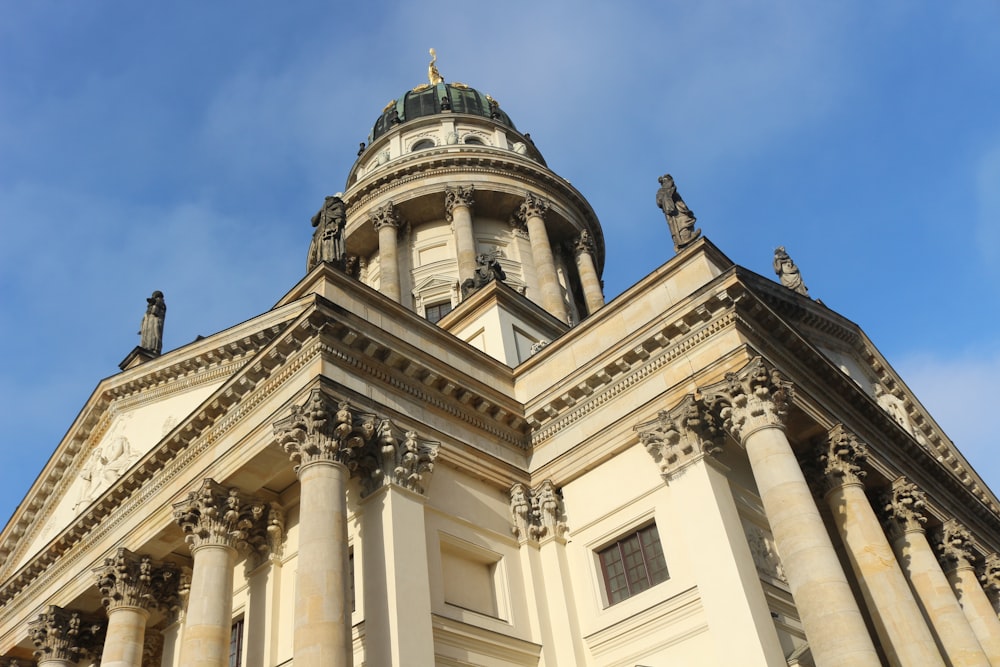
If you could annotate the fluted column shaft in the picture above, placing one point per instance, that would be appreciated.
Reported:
(591, 283)
(126, 635)
(386, 222)
(458, 206)
(978, 610)
(209, 617)
(533, 212)
(322, 635)
(948, 622)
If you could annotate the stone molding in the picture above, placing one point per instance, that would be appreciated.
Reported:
(128, 579)
(534, 206)
(214, 515)
(385, 216)
(461, 195)
(65, 634)
(372, 448)
(905, 509)
(681, 435)
(537, 513)
(756, 396)
(841, 456)
(953, 544)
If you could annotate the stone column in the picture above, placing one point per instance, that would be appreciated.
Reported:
(904, 509)
(587, 268)
(386, 223)
(532, 211)
(131, 585)
(684, 442)
(458, 211)
(753, 404)
(63, 637)
(957, 559)
(901, 628)
(991, 578)
(397, 595)
(217, 522)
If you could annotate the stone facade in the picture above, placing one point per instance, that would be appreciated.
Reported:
(383, 471)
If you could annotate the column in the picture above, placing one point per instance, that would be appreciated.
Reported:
(753, 404)
(322, 439)
(955, 552)
(539, 523)
(684, 444)
(458, 211)
(397, 586)
(532, 211)
(131, 585)
(991, 578)
(899, 624)
(585, 265)
(217, 522)
(386, 223)
(63, 637)
(904, 509)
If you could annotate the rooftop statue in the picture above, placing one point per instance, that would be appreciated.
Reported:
(328, 239)
(787, 272)
(680, 219)
(151, 329)
(433, 75)
(487, 270)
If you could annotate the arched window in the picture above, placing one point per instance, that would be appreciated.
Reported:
(473, 140)
(422, 145)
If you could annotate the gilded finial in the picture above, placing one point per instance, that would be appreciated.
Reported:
(433, 75)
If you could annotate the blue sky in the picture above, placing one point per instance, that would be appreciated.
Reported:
(184, 146)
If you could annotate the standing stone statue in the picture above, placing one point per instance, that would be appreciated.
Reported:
(679, 217)
(151, 329)
(787, 272)
(328, 239)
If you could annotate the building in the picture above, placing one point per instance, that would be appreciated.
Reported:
(442, 447)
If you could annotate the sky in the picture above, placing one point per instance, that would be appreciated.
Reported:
(184, 146)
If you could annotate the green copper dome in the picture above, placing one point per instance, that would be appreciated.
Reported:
(427, 100)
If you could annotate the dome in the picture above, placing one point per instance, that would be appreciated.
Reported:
(427, 100)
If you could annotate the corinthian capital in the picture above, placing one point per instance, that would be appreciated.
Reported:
(842, 455)
(384, 216)
(991, 576)
(457, 196)
(533, 206)
(132, 580)
(954, 546)
(64, 634)
(904, 507)
(583, 244)
(321, 430)
(215, 515)
(680, 435)
(394, 457)
(756, 396)
(537, 513)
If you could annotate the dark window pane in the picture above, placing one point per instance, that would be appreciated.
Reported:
(633, 564)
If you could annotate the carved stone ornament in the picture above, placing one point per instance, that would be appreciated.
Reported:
(679, 217)
(216, 515)
(682, 434)
(990, 577)
(151, 327)
(384, 216)
(457, 196)
(369, 446)
(17, 662)
(764, 551)
(132, 580)
(533, 206)
(584, 244)
(487, 270)
(842, 456)
(894, 407)
(954, 546)
(905, 508)
(64, 634)
(328, 240)
(537, 513)
(757, 396)
(788, 272)
(152, 649)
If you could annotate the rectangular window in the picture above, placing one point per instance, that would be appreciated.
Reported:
(236, 644)
(632, 564)
(436, 311)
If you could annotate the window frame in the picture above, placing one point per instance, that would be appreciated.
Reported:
(615, 546)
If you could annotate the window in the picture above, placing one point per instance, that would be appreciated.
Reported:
(632, 564)
(473, 140)
(422, 145)
(236, 644)
(436, 311)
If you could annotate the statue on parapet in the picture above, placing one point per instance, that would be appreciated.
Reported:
(328, 239)
(487, 270)
(679, 217)
(151, 328)
(788, 272)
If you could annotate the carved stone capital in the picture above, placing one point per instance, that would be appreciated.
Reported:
(954, 546)
(904, 508)
(133, 580)
(841, 456)
(461, 195)
(583, 244)
(64, 634)
(537, 513)
(533, 206)
(682, 434)
(384, 216)
(757, 396)
(990, 578)
(220, 516)
(395, 457)
(17, 662)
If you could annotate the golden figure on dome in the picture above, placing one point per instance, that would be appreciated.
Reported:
(433, 75)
